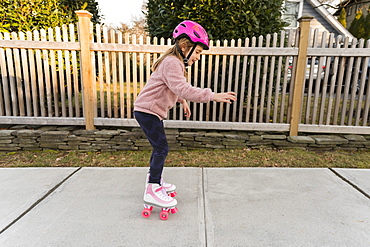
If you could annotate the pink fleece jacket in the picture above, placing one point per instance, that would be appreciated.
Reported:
(164, 88)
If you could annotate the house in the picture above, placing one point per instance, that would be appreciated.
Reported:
(352, 7)
(323, 20)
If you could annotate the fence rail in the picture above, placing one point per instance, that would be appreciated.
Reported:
(42, 80)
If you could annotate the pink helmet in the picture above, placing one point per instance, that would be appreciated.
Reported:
(193, 31)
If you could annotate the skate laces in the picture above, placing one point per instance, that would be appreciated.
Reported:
(161, 192)
(165, 184)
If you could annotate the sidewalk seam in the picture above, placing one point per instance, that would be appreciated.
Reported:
(350, 183)
(39, 200)
(204, 209)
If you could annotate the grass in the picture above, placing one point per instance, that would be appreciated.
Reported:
(196, 158)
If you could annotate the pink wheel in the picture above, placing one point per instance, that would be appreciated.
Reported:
(146, 212)
(163, 215)
(172, 194)
(174, 210)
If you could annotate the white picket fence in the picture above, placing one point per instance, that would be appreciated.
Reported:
(41, 81)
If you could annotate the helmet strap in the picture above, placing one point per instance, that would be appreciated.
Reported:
(186, 59)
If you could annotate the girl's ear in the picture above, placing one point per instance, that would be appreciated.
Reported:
(183, 47)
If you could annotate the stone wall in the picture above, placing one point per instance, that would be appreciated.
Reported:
(18, 138)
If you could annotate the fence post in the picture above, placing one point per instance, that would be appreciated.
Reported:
(85, 38)
(300, 75)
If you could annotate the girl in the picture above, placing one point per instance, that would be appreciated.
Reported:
(166, 86)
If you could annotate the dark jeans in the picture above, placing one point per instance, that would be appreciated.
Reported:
(154, 131)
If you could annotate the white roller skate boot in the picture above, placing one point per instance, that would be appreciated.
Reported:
(155, 195)
(170, 188)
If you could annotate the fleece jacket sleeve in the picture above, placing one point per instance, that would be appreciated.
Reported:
(173, 74)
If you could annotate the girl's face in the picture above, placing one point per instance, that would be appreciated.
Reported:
(195, 56)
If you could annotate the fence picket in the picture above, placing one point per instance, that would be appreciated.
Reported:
(340, 84)
(354, 87)
(202, 78)
(257, 83)
(121, 78)
(230, 79)
(365, 115)
(45, 56)
(114, 75)
(54, 75)
(61, 73)
(94, 76)
(5, 87)
(40, 77)
(271, 81)
(264, 80)
(332, 82)
(210, 69)
(236, 83)
(68, 72)
(243, 81)
(295, 35)
(323, 104)
(12, 76)
(107, 87)
(18, 78)
(250, 83)
(76, 87)
(25, 77)
(344, 114)
(128, 79)
(217, 63)
(100, 73)
(360, 95)
(278, 78)
(31, 59)
(141, 65)
(310, 80)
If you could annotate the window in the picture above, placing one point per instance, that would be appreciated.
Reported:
(293, 10)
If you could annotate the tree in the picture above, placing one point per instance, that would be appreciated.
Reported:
(359, 26)
(343, 18)
(223, 19)
(29, 15)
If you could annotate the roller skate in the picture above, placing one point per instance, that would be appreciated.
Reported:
(170, 188)
(156, 196)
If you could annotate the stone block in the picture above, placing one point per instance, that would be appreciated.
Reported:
(301, 139)
(28, 133)
(254, 138)
(84, 132)
(236, 137)
(55, 134)
(7, 133)
(51, 140)
(106, 133)
(191, 134)
(329, 140)
(274, 137)
(5, 141)
(24, 140)
(355, 138)
(28, 145)
(214, 135)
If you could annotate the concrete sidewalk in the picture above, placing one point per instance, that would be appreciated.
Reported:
(217, 207)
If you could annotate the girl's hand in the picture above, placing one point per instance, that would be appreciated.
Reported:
(186, 107)
(225, 97)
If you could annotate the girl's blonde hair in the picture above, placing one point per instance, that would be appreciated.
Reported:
(173, 51)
